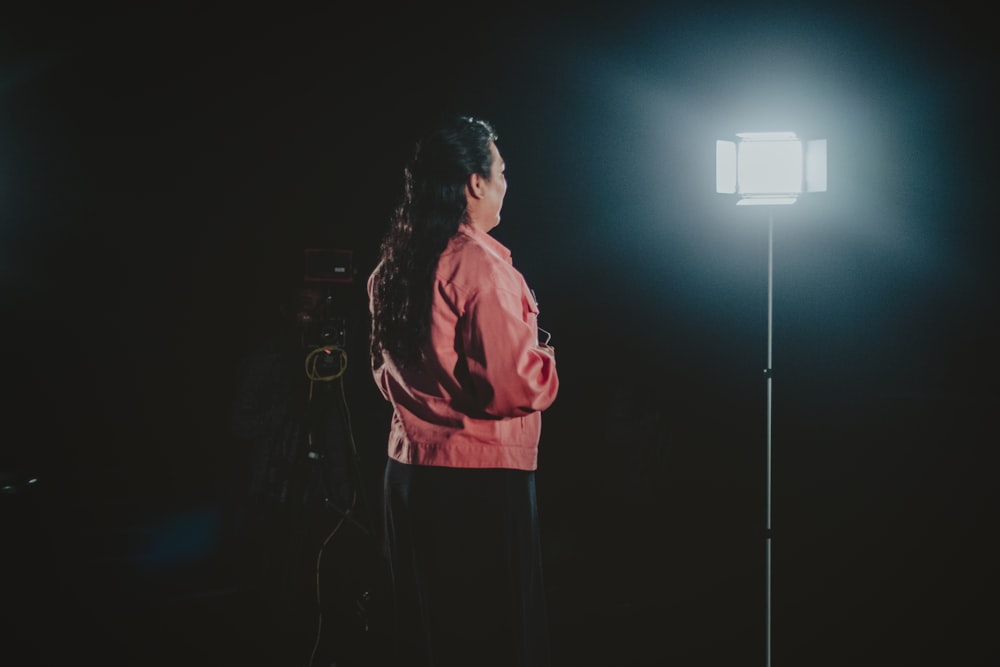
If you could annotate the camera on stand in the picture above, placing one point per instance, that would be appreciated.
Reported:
(324, 328)
(327, 350)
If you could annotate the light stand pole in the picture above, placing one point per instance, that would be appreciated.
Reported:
(768, 375)
(769, 168)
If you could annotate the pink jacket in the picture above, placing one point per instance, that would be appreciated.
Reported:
(477, 402)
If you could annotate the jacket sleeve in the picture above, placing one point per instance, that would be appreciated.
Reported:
(379, 374)
(510, 373)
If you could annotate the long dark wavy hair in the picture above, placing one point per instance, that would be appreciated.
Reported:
(430, 211)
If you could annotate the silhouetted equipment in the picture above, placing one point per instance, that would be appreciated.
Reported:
(318, 568)
(328, 265)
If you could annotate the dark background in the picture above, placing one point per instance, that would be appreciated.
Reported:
(163, 170)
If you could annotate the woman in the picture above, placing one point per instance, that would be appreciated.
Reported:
(455, 351)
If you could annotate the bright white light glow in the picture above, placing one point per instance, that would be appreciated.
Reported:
(725, 166)
(816, 165)
(764, 200)
(770, 167)
(767, 136)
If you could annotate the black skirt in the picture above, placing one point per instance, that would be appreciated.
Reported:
(465, 567)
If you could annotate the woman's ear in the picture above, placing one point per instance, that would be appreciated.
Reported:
(477, 186)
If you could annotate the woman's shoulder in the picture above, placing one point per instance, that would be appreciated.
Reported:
(471, 266)
(468, 254)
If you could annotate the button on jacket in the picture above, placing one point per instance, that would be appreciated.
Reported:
(476, 401)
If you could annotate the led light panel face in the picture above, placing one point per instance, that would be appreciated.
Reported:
(769, 167)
